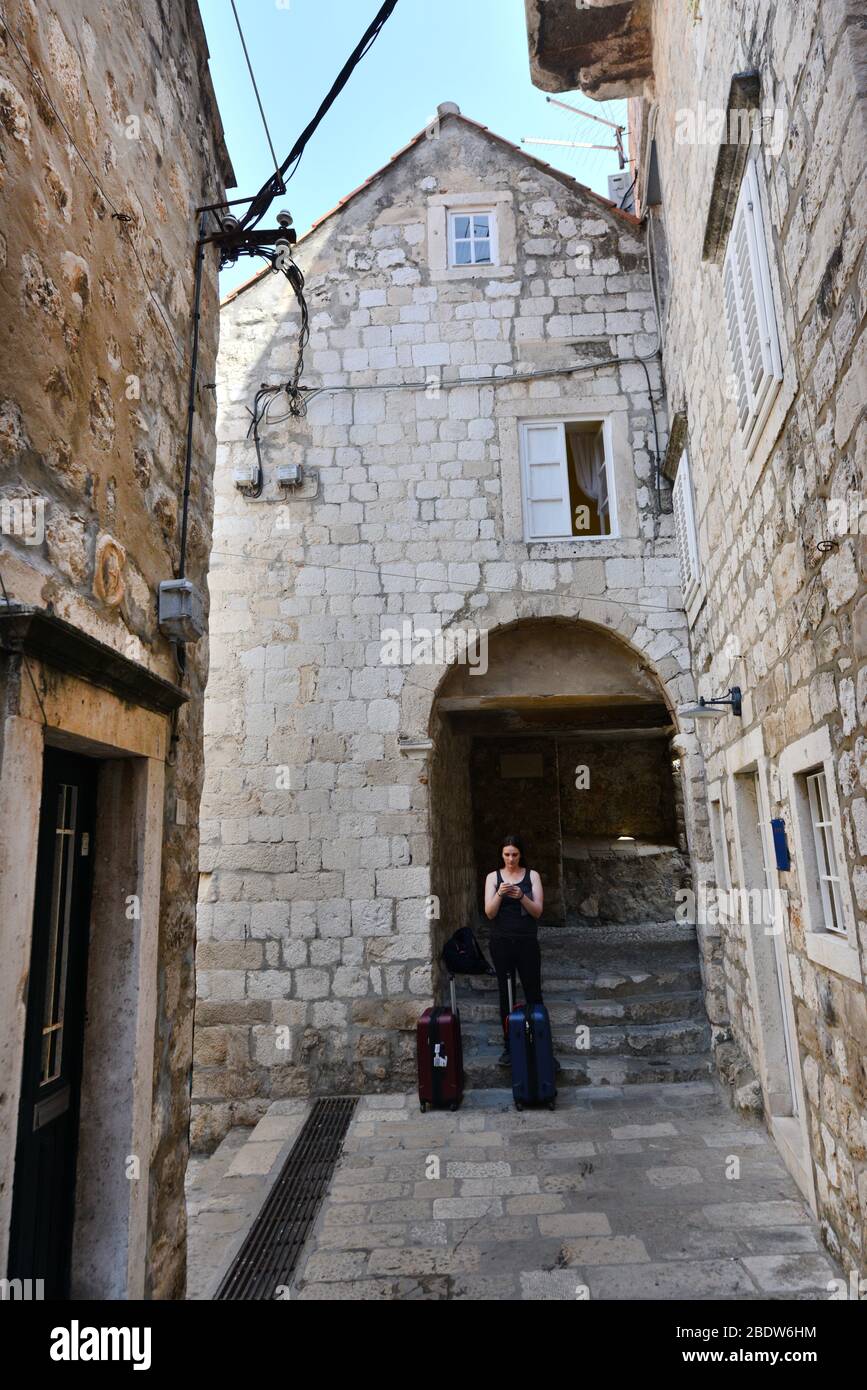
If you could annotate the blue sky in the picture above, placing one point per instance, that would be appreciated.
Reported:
(473, 52)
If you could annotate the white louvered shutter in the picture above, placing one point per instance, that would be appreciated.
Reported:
(684, 528)
(752, 331)
(546, 481)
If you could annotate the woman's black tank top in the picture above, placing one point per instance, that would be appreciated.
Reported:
(511, 920)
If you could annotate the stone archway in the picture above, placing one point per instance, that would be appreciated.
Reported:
(565, 733)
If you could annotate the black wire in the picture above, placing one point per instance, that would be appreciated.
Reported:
(276, 185)
(658, 459)
(627, 193)
(256, 90)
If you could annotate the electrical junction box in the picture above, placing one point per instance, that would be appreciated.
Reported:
(620, 190)
(289, 474)
(246, 476)
(181, 612)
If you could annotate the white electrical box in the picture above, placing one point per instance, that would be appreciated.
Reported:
(247, 475)
(181, 612)
(620, 190)
(289, 474)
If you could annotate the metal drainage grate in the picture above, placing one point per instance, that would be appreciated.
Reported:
(273, 1243)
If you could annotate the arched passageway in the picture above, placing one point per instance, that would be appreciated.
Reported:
(562, 733)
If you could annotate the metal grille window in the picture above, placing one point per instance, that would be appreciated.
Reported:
(472, 238)
(826, 859)
(752, 332)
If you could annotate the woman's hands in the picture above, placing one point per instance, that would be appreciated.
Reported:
(493, 895)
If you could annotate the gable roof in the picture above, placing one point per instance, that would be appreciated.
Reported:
(445, 112)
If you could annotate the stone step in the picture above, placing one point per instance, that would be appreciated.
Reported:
(612, 980)
(483, 1072)
(629, 934)
(674, 1006)
(642, 1008)
(628, 1040)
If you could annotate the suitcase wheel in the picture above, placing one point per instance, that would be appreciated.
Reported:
(422, 1105)
(552, 1105)
(454, 1105)
(518, 1105)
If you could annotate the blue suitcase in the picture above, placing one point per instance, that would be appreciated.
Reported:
(531, 1047)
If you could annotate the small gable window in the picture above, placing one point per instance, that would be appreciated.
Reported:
(472, 238)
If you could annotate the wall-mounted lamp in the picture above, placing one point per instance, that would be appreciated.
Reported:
(711, 709)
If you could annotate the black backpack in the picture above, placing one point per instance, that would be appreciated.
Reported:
(463, 955)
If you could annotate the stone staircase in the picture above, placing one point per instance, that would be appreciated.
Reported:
(637, 989)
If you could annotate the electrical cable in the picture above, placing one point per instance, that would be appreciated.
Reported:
(281, 189)
(622, 202)
(272, 187)
(500, 380)
(300, 402)
(435, 585)
(122, 218)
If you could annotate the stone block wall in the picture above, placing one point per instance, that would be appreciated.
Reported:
(783, 614)
(631, 789)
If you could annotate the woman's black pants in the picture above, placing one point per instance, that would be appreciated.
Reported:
(517, 953)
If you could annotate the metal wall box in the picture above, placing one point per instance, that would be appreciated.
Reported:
(181, 612)
(247, 475)
(289, 474)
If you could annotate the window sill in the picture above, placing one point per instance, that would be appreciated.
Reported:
(569, 542)
(474, 272)
(835, 953)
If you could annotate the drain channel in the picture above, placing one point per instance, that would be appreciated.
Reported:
(273, 1243)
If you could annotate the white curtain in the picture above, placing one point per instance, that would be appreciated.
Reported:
(587, 452)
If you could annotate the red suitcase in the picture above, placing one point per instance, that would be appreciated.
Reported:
(440, 1056)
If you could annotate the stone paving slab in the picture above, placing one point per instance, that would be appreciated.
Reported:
(621, 1193)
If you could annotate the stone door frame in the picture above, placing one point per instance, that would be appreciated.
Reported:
(110, 1238)
(763, 955)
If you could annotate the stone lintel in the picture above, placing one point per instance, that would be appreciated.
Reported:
(56, 643)
(676, 444)
(744, 95)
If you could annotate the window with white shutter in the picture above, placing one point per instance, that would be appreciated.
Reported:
(752, 332)
(568, 484)
(546, 481)
(684, 528)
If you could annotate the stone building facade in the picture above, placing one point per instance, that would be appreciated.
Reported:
(109, 140)
(347, 819)
(747, 129)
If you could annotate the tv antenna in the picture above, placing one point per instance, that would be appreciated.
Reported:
(617, 148)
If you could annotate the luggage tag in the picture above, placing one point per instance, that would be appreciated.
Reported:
(438, 1059)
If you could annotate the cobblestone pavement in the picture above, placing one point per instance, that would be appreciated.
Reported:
(621, 1193)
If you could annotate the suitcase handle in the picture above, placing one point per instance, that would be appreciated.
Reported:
(510, 992)
(452, 994)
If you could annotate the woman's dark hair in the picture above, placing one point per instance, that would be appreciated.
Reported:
(516, 843)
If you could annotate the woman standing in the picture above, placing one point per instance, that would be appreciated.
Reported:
(513, 902)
